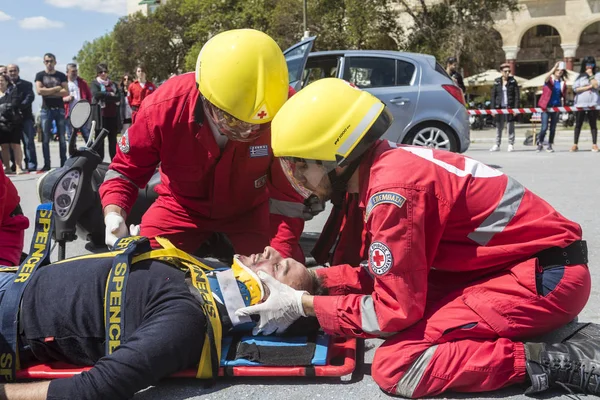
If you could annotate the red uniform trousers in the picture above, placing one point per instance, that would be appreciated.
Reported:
(470, 338)
(248, 233)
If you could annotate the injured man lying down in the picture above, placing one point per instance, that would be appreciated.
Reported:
(63, 312)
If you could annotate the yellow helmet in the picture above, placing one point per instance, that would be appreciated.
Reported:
(330, 122)
(242, 74)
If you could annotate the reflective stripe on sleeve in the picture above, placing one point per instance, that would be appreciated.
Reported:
(287, 208)
(502, 215)
(112, 174)
(368, 317)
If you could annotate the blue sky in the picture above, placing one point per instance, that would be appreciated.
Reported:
(30, 28)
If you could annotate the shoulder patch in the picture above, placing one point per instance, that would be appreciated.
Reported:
(380, 258)
(124, 143)
(383, 198)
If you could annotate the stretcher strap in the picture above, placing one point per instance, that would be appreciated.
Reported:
(208, 367)
(114, 298)
(39, 254)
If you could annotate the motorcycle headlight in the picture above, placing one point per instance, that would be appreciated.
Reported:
(66, 189)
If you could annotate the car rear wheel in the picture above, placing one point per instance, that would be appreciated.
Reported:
(433, 135)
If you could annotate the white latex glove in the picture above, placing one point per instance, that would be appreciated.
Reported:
(134, 230)
(115, 228)
(279, 311)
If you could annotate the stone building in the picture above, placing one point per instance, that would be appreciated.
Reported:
(546, 31)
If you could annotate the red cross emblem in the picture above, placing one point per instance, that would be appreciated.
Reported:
(378, 258)
(262, 114)
(123, 141)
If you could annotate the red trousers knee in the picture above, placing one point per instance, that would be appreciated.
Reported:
(248, 233)
(12, 234)
(471, 339)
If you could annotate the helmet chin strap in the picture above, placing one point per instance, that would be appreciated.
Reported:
(339, 183)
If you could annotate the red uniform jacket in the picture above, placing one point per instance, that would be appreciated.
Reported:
(195, 172)
(430, 210)
(136, 93)
(9, 198)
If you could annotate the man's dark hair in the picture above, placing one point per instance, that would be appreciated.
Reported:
(451, 60)
(587, 60)
(140, 66)
(50, 55)
(318, 285)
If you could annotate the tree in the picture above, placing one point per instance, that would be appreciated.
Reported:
(100, 50)
(459, 28)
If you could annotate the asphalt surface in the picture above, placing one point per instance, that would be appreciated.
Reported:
(568, 181)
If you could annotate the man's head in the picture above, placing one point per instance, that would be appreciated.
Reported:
(140, 73)
(243, 80)
(505, 70)
(13, 72)
(49, 62)
(323, 131)
(3, 69)
(285, 270)
(72, 71)
(451, 64)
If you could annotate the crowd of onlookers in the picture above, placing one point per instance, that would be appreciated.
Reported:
(117, 102)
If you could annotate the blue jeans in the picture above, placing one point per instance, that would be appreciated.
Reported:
(6, 279)
(553, 117)
(29, 143)
(85, 130)
(49, 115)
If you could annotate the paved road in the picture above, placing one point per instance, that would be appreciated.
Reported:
(569, 181)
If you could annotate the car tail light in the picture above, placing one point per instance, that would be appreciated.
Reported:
(456, 93)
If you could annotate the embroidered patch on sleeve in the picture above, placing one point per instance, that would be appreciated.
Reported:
(383, 198)
(260, 182)
(124, 142)
(259, 151)
(380, 258)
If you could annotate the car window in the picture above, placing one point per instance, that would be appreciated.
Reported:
(405, 72)
(321, 67)
(373, 72)
(441, 70)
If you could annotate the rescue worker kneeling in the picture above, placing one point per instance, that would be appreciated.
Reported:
(464, 263)
(165, 325)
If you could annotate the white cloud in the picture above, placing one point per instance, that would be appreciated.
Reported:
(30, 60)
(118, 7)
(5, 17)
(40, 23)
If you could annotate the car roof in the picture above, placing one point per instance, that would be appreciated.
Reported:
(423, 58)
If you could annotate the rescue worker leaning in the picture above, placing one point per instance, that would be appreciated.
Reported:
(210, 133)
(463, 262)
(12, 223)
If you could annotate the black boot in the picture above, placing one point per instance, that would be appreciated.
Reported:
(587, 331)
(573, 364)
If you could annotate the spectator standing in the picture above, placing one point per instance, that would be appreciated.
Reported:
(139, 90)
(78, 90)
(125, 108)
(106, 93)
(505, 94)
(452, 70)
(586, 95)
(10, 118)
(26, 98)
(554, 93)
(52, 86)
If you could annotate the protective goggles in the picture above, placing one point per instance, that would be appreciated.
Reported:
(306, 176)
(230, 126)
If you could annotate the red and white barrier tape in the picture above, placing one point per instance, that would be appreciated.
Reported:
(530, 110)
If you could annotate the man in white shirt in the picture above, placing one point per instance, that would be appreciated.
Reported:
(78, 90)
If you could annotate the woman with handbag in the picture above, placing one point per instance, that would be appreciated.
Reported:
(10, 136)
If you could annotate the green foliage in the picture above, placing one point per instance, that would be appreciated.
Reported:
(460, 28)
(169, 40)
(93, 53)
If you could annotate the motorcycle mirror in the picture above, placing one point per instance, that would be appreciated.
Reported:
(80, 113)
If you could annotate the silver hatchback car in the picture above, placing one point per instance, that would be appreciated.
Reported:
(428, 108)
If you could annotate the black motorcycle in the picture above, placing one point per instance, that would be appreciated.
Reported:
(74, 190)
